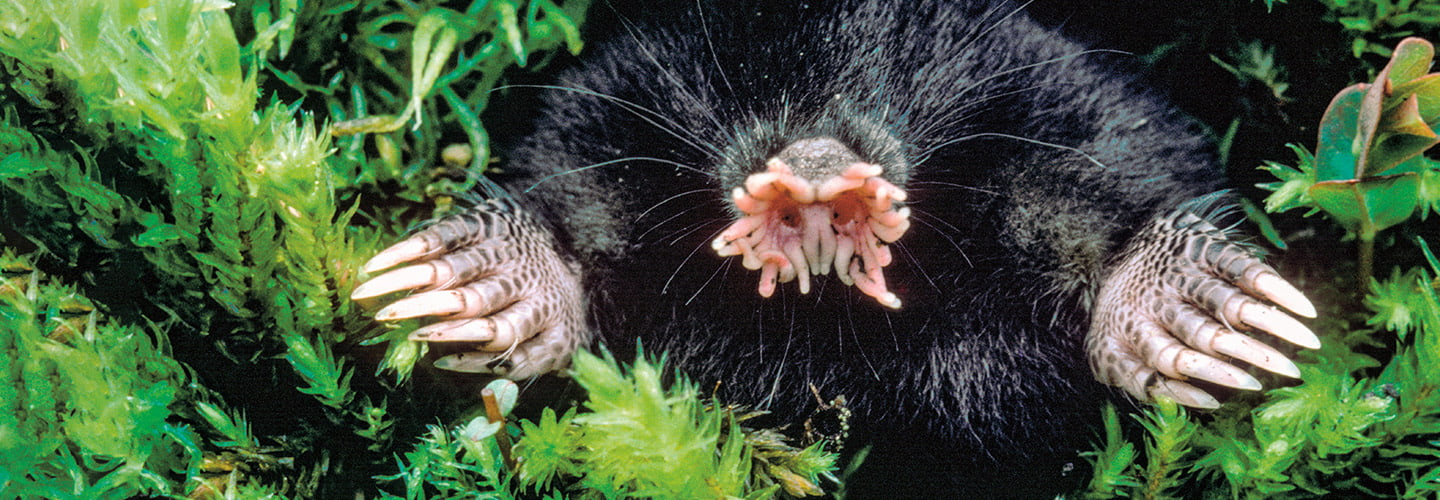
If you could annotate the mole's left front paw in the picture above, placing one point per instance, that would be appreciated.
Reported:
(492, 277)
(1173, 308)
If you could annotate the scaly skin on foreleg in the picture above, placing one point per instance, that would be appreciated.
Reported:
(493, 277)
(1173, 308)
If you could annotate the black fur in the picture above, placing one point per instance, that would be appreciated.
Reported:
(1029, 160)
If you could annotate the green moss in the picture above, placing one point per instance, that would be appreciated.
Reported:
(634, 436)
(88, 401)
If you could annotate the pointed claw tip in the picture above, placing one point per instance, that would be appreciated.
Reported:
(1249, 383)
(1208, 404)
(1281, 292)
(1201, 400)
(1288, 369)
(362, 292)
(404, 251)
(1300, 335)
(378, 263)
(1186, 394)
(1305, 308)
(389, 313)
(448, 363)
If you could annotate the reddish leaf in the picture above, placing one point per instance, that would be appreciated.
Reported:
(1411, 60)
(1402, 135)
(1426, 90)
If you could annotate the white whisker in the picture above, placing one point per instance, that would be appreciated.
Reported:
(649, 116)
(1063, 147)
(920, 217)
(618, 160)
(913, 184)
(710, 43)
(724, 264)
(669, 74)
(668, 219)
(670, 199)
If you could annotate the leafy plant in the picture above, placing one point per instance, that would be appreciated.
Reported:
(135, 150)
(1376, 24)
(1368, 172)
(1254, 61)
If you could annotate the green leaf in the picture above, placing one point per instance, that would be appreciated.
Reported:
(1262, 222)
(1395, 302)
(481, 428)
(506, 394)
(1356, 23)
(1411, 59)
(17, 165)
(158, 236)
(510, 24)
(1426, 90)
(234, 428)
(1370, 204)
(1293, 190)
(1342, 144)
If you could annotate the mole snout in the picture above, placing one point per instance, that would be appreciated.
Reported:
(817, 158)
(816, 206)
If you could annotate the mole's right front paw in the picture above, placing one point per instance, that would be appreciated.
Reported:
(493, 277)
(1175, 308)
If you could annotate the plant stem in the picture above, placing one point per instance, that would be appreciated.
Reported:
(492, 413)
(1366, 258)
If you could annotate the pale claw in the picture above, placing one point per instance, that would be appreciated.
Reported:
(1280, 325)
(405, 278)
(1251, 351)
(442, 303)
(399, 253)
(1277, 290)
(1176, 360)
(495, 332)
(547, 351)
(1183, 393)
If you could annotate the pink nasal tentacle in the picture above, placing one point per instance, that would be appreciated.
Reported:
(794, 228)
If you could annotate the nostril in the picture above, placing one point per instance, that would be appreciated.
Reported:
(790, 216)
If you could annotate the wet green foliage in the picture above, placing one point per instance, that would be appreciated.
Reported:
(1368, 173)
(634, 436)
(86, 399)
(1376, 25)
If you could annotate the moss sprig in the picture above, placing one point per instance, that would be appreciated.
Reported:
(87, 401)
